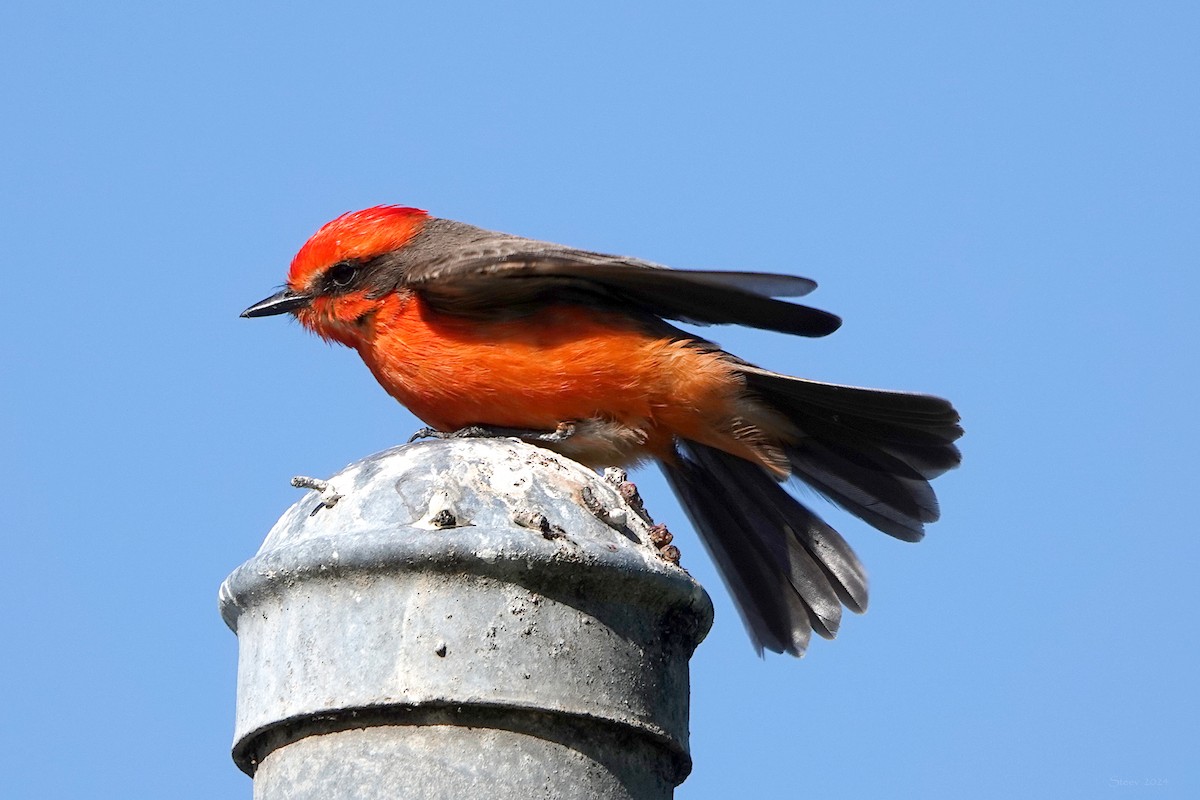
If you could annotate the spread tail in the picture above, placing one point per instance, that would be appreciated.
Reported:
(871, 452)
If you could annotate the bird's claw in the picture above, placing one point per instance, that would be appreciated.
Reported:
(427, 433)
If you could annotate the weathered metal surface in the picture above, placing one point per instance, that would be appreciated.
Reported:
(469, 618)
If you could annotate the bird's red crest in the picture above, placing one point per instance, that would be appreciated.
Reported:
(355, 235)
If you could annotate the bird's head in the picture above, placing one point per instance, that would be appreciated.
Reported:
(331, 287)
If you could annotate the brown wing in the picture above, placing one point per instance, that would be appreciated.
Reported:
(468, 271)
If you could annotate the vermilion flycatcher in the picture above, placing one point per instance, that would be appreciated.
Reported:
(468, 327)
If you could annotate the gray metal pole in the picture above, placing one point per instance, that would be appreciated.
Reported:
(471, 618)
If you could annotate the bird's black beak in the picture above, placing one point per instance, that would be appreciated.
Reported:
(278, 303)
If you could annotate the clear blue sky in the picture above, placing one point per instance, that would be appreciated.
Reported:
(1002, 200)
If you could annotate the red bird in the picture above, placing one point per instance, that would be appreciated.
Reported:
(468, 327)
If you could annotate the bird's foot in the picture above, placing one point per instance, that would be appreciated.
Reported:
(562, 432)
(471, 431)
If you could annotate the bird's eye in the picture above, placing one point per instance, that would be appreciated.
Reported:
(341, 273)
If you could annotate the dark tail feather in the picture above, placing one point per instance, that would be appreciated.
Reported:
(872, 452)
(788, 571)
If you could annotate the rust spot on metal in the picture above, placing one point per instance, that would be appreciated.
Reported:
(660, 536)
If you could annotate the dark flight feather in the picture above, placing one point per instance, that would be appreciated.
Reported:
(787, 569)
(479, 273)
(774, 616)
(870, 451)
